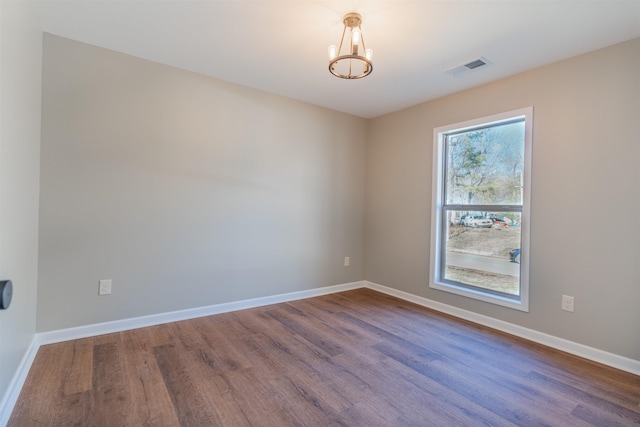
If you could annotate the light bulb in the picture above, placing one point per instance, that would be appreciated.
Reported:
(355, 36)
(368, 54)
(333, 50)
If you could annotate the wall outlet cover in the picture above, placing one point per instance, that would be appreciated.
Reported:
(567, 303)
(104, 287)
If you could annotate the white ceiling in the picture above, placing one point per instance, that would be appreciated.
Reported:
(281, 46)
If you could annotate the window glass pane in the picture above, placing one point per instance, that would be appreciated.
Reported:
(485, 166)
(482, 250)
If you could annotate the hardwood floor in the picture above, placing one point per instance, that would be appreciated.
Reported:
(357, 358)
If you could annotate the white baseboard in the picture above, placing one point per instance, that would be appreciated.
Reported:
(11, 396)
(191, 313)
(15, 386)
(594, 354)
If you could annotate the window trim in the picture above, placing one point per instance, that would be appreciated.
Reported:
(437, 196)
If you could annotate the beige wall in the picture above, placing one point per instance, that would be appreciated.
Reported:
(20, 77)
(585, 221)
(186, 191)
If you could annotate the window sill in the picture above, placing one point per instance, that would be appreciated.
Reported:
(520, 303)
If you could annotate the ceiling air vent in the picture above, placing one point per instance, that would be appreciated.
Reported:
(469, 66)
(475, 64)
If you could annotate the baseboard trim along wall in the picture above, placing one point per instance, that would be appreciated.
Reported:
(15, 386)
(594, 354)
(191, 313)
(577, 349)
(43, 338)
(11, 396)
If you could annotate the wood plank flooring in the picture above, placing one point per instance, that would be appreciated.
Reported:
(356, 358)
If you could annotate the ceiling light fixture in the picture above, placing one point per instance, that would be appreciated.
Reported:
(352, 64)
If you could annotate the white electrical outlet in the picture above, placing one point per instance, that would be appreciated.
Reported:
(567, 303)
(104, 288)
(347, 261)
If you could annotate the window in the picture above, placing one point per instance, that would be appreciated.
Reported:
(480, 217)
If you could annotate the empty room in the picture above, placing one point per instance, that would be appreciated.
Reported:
(319, 213)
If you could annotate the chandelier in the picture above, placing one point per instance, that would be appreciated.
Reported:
(351, 64)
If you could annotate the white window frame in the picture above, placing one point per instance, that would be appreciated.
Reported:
(437, 224)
